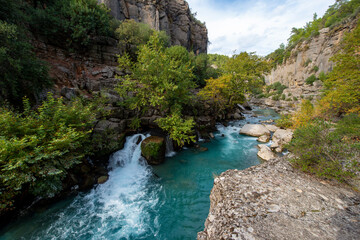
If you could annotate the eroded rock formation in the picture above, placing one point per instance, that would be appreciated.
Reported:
(275, 201)
(308, 58)
(172, 16)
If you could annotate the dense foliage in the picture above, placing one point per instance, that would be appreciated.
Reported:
(37, 147)
(326, 152)
(21, 72)
(74, 22)
(342, 85)
(161, 79)
(66, 23)
(241, 74)
(132, 35)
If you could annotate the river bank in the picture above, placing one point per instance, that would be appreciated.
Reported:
(143, 202)
(275, 201)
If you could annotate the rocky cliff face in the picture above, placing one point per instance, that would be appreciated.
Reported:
(172, 16)
(307, 58)
(274, 201)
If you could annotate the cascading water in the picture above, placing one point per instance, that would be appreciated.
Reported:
(122, 208)
(169, 147)
(136, 204)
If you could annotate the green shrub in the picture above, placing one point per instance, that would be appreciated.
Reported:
(74, 22)
(132, 35)
(284, 121)
(283, 97)
(21, 72)
(295, 98)
(37, 147)
(308, 61)
(315, 69)
(276, 97)
(310, 80)
(322, 76)
(261, 95)
(289, 94)
(180, 130)
(327, 153)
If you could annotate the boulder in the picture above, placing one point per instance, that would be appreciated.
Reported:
(272, 128)
(102, 179)
(153, 150)
(275, 201)
(264, 138)
(255, 130)
(281, 137)
(265, 153)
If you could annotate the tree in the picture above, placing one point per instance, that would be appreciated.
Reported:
(38, 147)
(161, 78)
(247, 70)
(132, 35)
(342, 87)
(21, 72)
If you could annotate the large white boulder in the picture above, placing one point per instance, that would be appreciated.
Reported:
(281, 137)
(272, 128)
(265, 152)
(255, 130)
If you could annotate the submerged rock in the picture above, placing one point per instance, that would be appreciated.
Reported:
(153, 150)
(255, 130)
(275, 201)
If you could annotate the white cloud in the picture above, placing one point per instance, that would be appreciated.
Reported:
(257, 25)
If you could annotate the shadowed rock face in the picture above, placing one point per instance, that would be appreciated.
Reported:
(172, 16)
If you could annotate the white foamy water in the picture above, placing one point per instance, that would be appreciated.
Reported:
(122, 208)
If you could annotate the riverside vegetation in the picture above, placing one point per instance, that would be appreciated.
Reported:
(39, 144)
(42, 138)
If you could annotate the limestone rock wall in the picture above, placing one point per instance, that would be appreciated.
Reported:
(310, 57)
(172, 16)
(274, 201)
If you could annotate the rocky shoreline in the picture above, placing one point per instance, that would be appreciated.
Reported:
(275, 201)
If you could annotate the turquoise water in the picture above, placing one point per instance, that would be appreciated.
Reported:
(170, 201)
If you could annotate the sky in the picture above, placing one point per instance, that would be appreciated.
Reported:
(253, 25)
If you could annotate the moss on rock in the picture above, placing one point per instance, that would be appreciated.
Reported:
(153, 150)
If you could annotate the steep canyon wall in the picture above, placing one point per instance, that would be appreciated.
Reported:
(172, 16)
(307, 58)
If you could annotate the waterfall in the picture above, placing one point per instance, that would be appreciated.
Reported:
(169, 147)
(124, 207)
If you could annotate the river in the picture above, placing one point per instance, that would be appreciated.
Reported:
(170, 201)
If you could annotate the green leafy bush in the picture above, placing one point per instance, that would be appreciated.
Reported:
(132, 35)
(21, 72)
(74, 22)
(327, 153)
(310, 80)
(276, 97)
(315, 69)
(284, 121)
(162, 79)
(37, 147)
(322, 76)
(180, 130)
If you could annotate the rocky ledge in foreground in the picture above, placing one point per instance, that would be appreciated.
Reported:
(275, 201)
